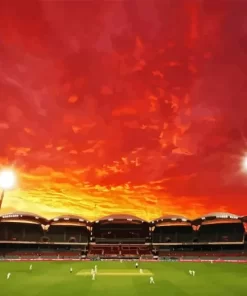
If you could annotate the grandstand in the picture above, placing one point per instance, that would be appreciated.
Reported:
(220, 228)
(120, 229)
(22, 226)
(27, 235)
(122, 235)
(172, 229)
(69, 228)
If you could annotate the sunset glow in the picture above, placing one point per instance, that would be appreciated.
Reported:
(116, 106)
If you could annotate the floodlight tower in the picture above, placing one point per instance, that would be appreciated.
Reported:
(7, 182)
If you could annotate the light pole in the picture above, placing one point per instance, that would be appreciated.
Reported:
(1, 199)
(7, 182)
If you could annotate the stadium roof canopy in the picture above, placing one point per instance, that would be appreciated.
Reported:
(69, 218)
(216, 215)
(244, 218)
(120, 217)
(24, 216)
(170, 218)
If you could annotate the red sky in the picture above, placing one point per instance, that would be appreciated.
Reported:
(124, 106)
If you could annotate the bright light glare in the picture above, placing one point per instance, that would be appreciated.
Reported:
(245, 163)
(7, 179)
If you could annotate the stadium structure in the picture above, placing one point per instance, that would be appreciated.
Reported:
(28, 235)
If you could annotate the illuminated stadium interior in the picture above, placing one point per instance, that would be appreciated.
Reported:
(121, 228)
(28, 235)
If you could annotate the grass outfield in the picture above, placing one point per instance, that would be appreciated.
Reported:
(122, 279)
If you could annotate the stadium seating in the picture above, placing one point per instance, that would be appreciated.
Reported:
(96, 251)
(30, 253)
(145, 250)
(204, 255)
(122, 233)
(225, 232)
(57, 233)
(135, 250)
(174, 234)
(121, 250)
(21, 232)
(121, 237)
(103, 250)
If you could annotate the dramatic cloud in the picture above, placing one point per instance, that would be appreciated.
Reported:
(124, 106)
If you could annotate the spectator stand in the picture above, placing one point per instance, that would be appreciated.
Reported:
(69, 229)
(220, 228)
(172, 229)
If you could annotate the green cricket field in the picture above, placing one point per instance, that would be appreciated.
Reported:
(122, 279)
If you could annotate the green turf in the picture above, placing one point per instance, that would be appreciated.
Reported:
(171, 278)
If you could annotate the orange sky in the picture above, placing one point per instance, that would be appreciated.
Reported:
(117, 106)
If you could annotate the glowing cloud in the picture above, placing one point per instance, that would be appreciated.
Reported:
(123, 108)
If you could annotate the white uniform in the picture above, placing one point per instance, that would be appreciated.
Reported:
(31, 267)
(71, 269)
(136, 264)
(93, 274)
(8, 275)
(151, 280)
(141, 271)
(193, 273)
(190, 272)
(95, 268)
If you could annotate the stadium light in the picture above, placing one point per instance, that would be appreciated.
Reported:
(244, 164)
(7, 182)
(7, 179)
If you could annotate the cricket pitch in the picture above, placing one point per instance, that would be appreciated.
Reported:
(116, 272)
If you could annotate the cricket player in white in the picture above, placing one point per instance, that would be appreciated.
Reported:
(151, 280)
(141, 271)
(190, 272)
(31, 267)
(8, 275)
(137, 264)
(93, 274)
(193, 273)
(71, 270)
(95, 268)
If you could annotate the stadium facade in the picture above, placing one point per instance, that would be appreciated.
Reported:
(119, 235)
